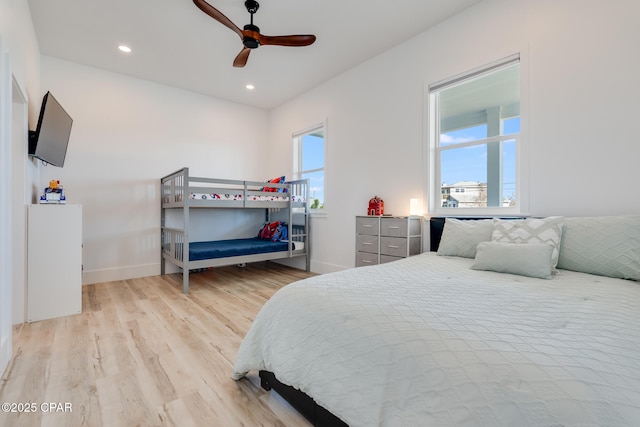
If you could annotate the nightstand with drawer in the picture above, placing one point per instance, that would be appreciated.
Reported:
(381, 239)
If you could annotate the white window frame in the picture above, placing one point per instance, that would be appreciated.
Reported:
(296, 137)
(432, 152)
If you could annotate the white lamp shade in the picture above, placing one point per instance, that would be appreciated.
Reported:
(415, 207)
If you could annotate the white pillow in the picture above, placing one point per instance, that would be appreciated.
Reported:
(460, 237)
(606, 246)
(532, 259)
(532, 230)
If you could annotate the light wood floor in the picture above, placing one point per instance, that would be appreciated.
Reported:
(143, 354)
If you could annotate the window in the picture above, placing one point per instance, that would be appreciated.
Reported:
(309, 162)
(474, 139)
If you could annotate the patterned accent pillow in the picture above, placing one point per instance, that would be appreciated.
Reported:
(606, 246)
(533, 230)
(461, 237)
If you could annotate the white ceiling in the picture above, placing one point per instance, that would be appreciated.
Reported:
(176, 44)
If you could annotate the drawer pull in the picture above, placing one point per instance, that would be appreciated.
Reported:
(366, 261)
(394, 246)
(367, 225)
(394, 227)
(367, 243)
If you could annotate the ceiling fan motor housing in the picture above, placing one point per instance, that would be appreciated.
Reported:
(249, 41)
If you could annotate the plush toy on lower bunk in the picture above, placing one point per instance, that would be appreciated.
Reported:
(274, 231)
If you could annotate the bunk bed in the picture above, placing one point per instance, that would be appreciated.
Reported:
(183, 193)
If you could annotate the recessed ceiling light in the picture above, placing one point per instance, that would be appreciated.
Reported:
(250, 86)
(124, 48)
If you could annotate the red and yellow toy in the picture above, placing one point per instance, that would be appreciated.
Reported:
(53, 194)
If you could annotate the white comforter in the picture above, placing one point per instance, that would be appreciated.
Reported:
(426, 341)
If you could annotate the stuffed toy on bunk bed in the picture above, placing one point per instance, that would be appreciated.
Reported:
(274, 231)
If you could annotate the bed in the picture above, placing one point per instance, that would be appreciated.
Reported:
(458, 336)
(183, 193)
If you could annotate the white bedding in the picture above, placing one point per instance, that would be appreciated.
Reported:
(273, 197)
(425, 341)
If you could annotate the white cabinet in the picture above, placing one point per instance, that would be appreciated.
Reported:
(387, 238)
(54, 257)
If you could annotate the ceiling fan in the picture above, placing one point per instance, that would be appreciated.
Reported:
(250, 34)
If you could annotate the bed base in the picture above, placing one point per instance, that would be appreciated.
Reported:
(304, 404)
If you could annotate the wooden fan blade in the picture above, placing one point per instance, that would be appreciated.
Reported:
(300, 40)
(241, 59)
(217, 15)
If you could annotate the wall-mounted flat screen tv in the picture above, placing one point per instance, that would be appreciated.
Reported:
(50, 139)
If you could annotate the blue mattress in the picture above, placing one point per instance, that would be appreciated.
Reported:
(235, 247)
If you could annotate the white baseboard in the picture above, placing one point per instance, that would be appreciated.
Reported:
(90, 277)
(324, 268)
(315, 267)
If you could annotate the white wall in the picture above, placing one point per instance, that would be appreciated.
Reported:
(19, 40)
(19, 45)
(578, 117)
(127, 134)
(6, 275)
